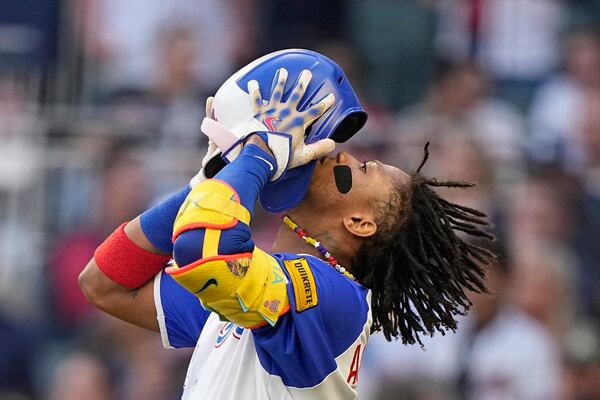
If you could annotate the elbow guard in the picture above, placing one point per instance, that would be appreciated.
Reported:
(214, 206)
(248, 289)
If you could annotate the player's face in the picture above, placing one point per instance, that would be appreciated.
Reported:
(370, 180)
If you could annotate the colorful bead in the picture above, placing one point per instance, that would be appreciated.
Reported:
(313, 242)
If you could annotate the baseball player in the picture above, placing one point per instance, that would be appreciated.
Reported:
(363, 247)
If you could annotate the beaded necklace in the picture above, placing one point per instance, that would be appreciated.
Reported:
(317, 245)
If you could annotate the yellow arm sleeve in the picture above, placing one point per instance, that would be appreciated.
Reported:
(248, 289)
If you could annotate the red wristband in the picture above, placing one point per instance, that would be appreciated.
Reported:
(125, 262)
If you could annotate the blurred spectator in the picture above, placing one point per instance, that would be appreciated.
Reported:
(541, 269)
(395, 41)
(16, 360)
(22, 209)
(554, 210)
(541, 208)
(515, 40)
(121, 195)
(79, 376)
(28, 32)
(413, 389)
(589, 128)
(374, 137)
(582, 363)
(459, 101)
(498, 352)
(171, 108)
(116, 360)
(122, 37)
(152, 372)
(558, 104)
(505, 354)
(457, 156)
(588, 208)
(584, 12)
(145, 369)
(300, 23)
(180, 98)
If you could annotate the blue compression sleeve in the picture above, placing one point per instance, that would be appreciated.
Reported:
(247, 175)
(157, 222)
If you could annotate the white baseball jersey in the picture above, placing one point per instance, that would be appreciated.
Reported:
(311, 353)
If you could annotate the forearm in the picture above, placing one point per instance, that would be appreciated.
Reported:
(118, 280)
(155, 226)
(143, 240)
(136, 233)
(134, 305)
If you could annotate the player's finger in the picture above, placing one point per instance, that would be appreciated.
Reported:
(300, 88)
(210, 153)
(254, 91)
(208, 110)
(317, 150)
(212, 147)
(316, 110)
(277, 94)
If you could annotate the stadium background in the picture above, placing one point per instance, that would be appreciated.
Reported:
(100, 105)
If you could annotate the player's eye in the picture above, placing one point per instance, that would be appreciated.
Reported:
(364, 167)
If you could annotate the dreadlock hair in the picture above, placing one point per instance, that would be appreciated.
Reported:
(416, 266)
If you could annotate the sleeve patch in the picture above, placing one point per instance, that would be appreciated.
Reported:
(303, 281)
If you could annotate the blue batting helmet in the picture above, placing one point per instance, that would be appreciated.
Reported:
(232, 107)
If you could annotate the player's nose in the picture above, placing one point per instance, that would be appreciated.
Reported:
(345, 158)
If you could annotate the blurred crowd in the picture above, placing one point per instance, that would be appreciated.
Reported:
(101, 102)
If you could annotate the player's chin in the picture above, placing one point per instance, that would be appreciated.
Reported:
(323, 171)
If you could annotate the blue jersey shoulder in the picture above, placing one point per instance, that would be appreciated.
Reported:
(328, 312)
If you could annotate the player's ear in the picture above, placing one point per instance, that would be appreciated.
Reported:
(361, 225)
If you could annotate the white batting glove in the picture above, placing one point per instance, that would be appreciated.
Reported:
(285, 126)
(211, 152)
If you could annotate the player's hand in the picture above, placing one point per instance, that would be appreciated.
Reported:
(283, 127)
(211, 152)
(284, 118)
